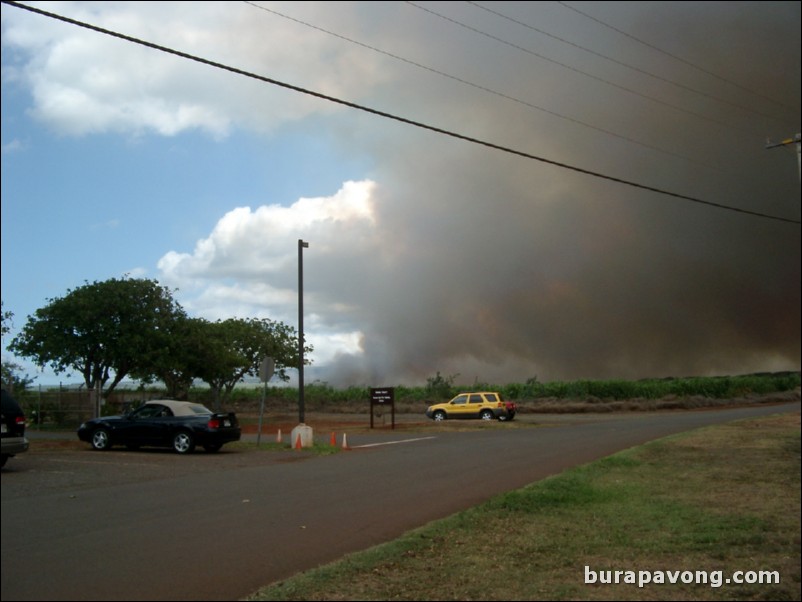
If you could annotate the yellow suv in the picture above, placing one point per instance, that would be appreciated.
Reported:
(484, 405)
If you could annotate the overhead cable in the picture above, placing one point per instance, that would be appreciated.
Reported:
(676, 58)
(490, 90)
(405, 120)
(627, 65)
(583, 73)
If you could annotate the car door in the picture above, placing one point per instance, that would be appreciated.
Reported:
(149, 425)
(458, 407)
(476, 403)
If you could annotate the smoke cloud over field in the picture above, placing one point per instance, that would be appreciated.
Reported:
(445, 255)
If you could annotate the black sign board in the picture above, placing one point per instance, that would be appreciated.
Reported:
(382, 398)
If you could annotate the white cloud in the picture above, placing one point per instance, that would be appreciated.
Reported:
(247, 266)
(254, 244)
(13, 146)
(111, 224)
(86, 82)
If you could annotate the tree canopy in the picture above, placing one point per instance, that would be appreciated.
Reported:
(234, 348)
(103, 330)
(11, 377)
(134, 328)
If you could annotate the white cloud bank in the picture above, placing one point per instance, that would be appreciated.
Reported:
(85, 83)
(248, 265)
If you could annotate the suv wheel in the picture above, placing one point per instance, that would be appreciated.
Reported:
(486, 415)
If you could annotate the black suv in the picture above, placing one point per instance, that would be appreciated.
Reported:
(13, 428)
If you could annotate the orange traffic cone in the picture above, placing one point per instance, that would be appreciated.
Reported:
(345, 442)
(278, 436)
(298, 442)
(333, 441)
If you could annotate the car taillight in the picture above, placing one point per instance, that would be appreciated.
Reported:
(214, 423)
(500, 404)
(20, 420)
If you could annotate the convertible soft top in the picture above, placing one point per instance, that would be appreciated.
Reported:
(181, 408)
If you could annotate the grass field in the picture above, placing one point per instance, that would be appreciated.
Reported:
(720, 503)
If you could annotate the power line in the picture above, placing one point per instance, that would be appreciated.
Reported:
(405, 120)
(675, 57)
(627, 65)
(580, 72)
(486, 89)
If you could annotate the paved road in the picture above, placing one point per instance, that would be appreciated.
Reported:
(125, 525)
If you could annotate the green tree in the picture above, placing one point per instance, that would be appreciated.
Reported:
(441, 386)
(12, 377)
(234, 349)
(104, 330)
(180, 361)
(7, 315)
(10, 371)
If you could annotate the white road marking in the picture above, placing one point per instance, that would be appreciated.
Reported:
(394, 442)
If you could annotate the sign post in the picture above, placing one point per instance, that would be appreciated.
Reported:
(266, 370)
(382, 398)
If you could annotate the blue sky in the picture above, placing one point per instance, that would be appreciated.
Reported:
(427, 254)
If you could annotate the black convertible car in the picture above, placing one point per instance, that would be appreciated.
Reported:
(163, 423)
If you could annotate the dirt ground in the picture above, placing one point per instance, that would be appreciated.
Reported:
(337, 423)
(329, 422)
(548, 410)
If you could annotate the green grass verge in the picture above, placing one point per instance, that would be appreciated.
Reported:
(719, 500)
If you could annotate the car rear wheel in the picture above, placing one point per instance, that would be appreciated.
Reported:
(183, 442)
(486, 415)
(101, 439)
(439, 416)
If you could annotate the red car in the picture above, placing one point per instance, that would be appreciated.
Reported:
(511, 410)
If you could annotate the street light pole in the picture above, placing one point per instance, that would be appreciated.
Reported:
(301, 246)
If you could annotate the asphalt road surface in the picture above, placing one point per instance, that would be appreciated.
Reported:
(151, 525)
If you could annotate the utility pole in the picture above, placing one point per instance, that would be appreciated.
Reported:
(795, 140)
(302, 435)
(301, 246)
